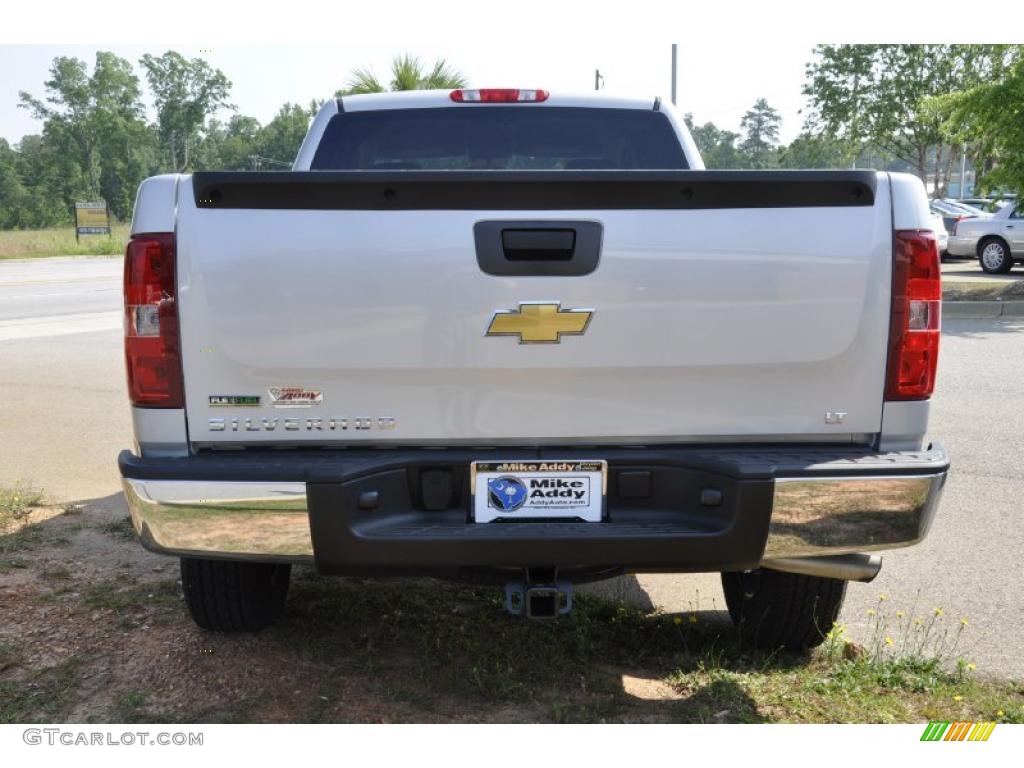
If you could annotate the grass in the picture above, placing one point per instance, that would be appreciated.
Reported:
(120, 597)
(16, 503)
(43, 696)
(995, 290)
(33, 243)
(121, 529)
(573, 666)
(19, 540)
(426, 650)
(9, 655)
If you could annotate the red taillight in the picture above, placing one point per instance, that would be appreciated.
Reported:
(914, 326)
(498, 95)
(151, 349)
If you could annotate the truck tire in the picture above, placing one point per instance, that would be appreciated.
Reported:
(772, 609)
(994, 256)
(231, 596)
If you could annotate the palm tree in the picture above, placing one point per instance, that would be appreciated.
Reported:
(407, 74)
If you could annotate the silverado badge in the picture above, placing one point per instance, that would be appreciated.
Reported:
(539, 322)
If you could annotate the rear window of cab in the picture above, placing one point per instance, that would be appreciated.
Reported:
(511, 137)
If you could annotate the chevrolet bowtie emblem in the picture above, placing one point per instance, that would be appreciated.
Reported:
(543, 322)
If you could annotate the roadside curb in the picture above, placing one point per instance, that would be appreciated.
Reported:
(983, 309)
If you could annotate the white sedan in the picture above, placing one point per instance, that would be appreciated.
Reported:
(941, 235)
(997, 241)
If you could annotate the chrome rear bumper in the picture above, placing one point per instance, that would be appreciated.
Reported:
(870, 505)
(262, 521)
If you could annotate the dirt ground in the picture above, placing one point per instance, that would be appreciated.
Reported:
(94, 629)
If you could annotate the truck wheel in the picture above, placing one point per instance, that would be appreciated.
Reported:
(772, 609)
(231, 596)
(994, 256)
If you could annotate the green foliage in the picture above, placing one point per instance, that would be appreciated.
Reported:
(760, 126)
(95, 142)
(717, 147)
(878, 93)
(815, 151)
(186, 92)
(991, 116)
(756, 147)
(281, 138)
(17, 502)
(407, 74)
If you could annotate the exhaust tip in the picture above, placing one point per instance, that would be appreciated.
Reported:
(852, 567)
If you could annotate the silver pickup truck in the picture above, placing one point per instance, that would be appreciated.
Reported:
(524, 337)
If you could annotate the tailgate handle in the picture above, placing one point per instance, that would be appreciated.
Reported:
(546, 248)
(538, 244)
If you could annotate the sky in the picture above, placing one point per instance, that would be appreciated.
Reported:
(714, 83)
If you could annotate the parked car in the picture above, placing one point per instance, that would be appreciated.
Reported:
(997, 241)
(951, 213)
(989, 205)
(963, 205)
(558, 351)
(941, 235)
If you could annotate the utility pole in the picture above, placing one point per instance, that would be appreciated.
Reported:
(963, 171)
(598, 79)
(674, 62)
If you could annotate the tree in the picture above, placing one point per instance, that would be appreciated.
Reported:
(52, 180)
(876, 94)
(93, 123)
(227, 147)
(717, 147)
(281, 138)
(407, 74)
(760, 126)
(186, 92)
(990, 115)
(13, 195)
(815, 151)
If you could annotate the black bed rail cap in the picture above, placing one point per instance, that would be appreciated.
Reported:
(532, 190)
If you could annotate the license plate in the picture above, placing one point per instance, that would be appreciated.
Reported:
(538, 490)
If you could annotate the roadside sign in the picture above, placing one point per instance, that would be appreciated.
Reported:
(91, 219)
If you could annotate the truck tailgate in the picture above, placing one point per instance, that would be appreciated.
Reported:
(367, 320)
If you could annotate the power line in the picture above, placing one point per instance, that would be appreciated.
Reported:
(258, 161)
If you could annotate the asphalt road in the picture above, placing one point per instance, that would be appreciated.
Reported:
(45, 297)
(64, 416)
(968, 270)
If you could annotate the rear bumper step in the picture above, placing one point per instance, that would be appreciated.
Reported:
(406, 511)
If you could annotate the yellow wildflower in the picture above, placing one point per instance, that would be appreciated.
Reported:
(693, 619)
(958, 697)
(888, 641)
(900, 614)
(964, 622)
(883, 597)
(938, 611)
(871, 611)
(1000, 713)
(677, 620)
